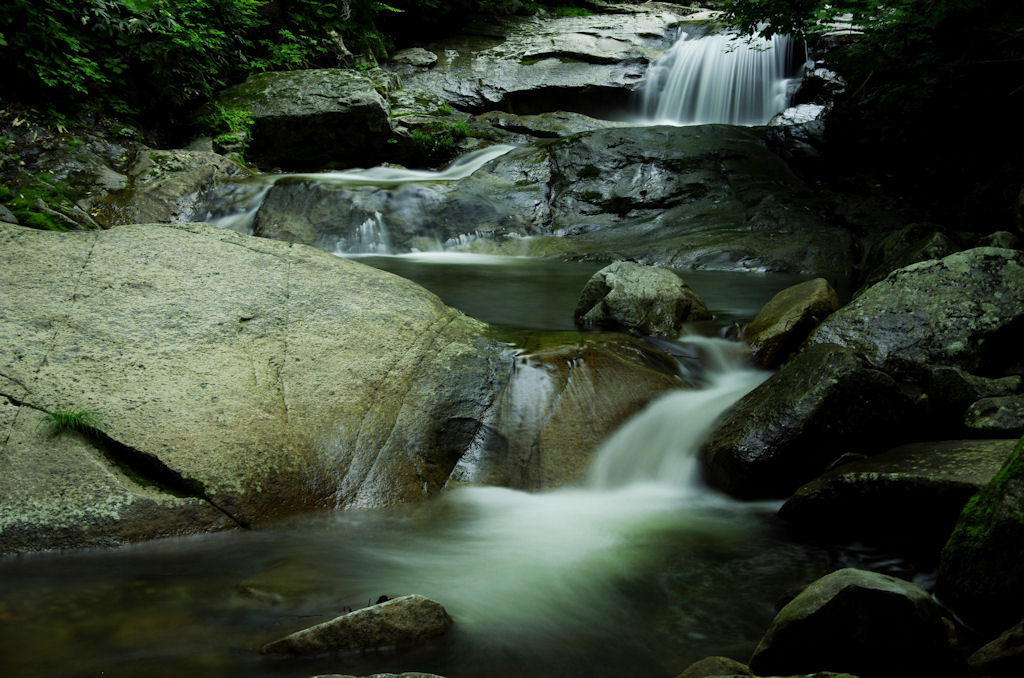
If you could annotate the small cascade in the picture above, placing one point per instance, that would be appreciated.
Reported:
(371, 237)
(720, 78)
(659, 445)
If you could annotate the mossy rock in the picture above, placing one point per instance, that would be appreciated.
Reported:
(982, 570)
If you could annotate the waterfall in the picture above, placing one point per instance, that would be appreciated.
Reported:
(720, 78)
(660, 444)
(370, 238)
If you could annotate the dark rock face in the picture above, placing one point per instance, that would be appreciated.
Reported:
(397, 623)
(871, 625)
(313, 118)
(981, 575)
(951, 391)
(787, 319)
(966, 310)
(1003, 657)
(825, 402)
(715, 666)
(711, 196)
(644, 299)
(911, 495)
(933, 246)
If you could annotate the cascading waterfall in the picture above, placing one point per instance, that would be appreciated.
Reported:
(720, 78)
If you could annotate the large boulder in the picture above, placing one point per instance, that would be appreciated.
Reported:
(871, 625)
(238, 380)
(910, 496)
(966, 310)
(313, 118)
(825, 402)
(644, 299)
(981, 575)
(396, 623)
(787, 319)
(715, 666)
(166, 186)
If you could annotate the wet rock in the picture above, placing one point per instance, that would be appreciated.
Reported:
(644, 299)
(825, 402)
(547, 125)
(313, 118)
(894, 241)
(565, 394)
(981, 575)
(166, 186)
(1001, 658)
(1001, 416)
(414, 674)
(951, 390)
(933, 246)
(697, 197)
(966, 310)
(397, 623)
(862, 622)
(787, 319)
(715, 666)
(271, 379)
(417, 57)
(583, 64)
(911, 495)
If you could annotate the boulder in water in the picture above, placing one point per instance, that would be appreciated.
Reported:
(825, 402)
(396, 623)
(981, 575)
(313, 118)
(787, 319)
(416, 57)
(644, 299)
(869, 624)
(910, 496)
(966, 310)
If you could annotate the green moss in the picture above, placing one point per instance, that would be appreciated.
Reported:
(24, 202)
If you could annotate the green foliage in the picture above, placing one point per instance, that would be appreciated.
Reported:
(438, 141)
(27, 203)
(443, 109)
(570, 11)
(229, 127)
(71, 420)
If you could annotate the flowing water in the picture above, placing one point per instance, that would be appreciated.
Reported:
(640, 570)
(719, 78)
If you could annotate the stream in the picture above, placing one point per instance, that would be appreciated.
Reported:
(639, 570)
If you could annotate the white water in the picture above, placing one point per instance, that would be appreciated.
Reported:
(718, 79)
(369, 240)
(515, 565)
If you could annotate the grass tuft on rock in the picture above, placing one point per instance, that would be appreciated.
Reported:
(71, 420)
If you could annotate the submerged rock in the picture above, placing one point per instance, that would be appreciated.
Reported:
(966, 310)
(825, 402)
(866, 623)
(910, 496)
(644, 299)
(313, 118)
(981, 575)
(393, 624)
(787, 319)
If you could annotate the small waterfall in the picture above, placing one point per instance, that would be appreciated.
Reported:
(370, 238)
(660, 443)
(718, 79)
